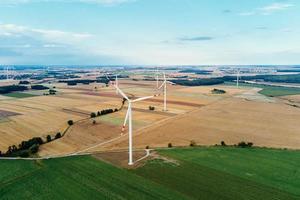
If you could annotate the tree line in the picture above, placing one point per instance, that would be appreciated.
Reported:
(103, 112)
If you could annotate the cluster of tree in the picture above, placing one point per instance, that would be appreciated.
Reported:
(66, 76)
(199, 82)
(245, 144)
(25, 149)
(103, 112)
(75, 82)
(288, 78)
(22, 76)
(51, 92)
(289, 70)
(103, 80)
(196, 71)
(57, 136)
(39, 87)
(240, 144)
(39, 77)
(193, 143)
(218, 91)
(291, 78)
(24, 82)
(70, 122)
(112, 77)
(3, 77)
(151, 108)
(106, 79)
(12, 88)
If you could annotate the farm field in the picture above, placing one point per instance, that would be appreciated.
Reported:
(183, 173)
(75, 178)
(241, 114)
(271, 91)
(227, 173)
(41, 115)
(231, 120)
(19, 95)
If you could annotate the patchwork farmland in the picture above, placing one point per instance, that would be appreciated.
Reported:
(195, 116)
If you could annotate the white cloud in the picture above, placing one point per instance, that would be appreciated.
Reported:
(275, 7)
(268, 9)
(12, 30)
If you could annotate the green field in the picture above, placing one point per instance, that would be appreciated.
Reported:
(228, 173)
(273, 91)
(270, 91)
(198, 173)
(75, 178)
(19, 95)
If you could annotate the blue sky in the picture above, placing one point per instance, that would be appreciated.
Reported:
(164, 32)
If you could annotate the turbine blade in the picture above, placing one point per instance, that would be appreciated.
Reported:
(142, 98)
(161, 85)
(107, 77)
(171, 82)
(125, 120)
(121, 92)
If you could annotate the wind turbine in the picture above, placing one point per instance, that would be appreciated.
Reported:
(116, 83)
(156, 77)
(237, 77)
(164, 85)
(129, 118)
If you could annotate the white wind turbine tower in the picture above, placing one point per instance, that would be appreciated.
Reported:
(156, 77)
(237, 77)
(7, 73)
(129, 118)
(117, 83)
(164, 85)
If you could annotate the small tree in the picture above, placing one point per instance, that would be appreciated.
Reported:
(93, 115)
(242, 144)
(170, 145)
(147, 147)
(34, 148)
(94, 121)
(223, 143)
(250, 144)
(48, 138)
(24, 153)
(116, 110)
(70, 122)
(151, 108)
(58, 135)
(193, 143)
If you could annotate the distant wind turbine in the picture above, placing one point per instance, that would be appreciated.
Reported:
(237, 77)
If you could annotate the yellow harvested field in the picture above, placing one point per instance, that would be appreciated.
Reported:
(231, 120)
(194, 113)
(80, 136)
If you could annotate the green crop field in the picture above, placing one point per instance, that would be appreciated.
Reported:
(228, 173)
(19, 95)
(75, 178)
(198, 173)
(270, 91)
(273, 91)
